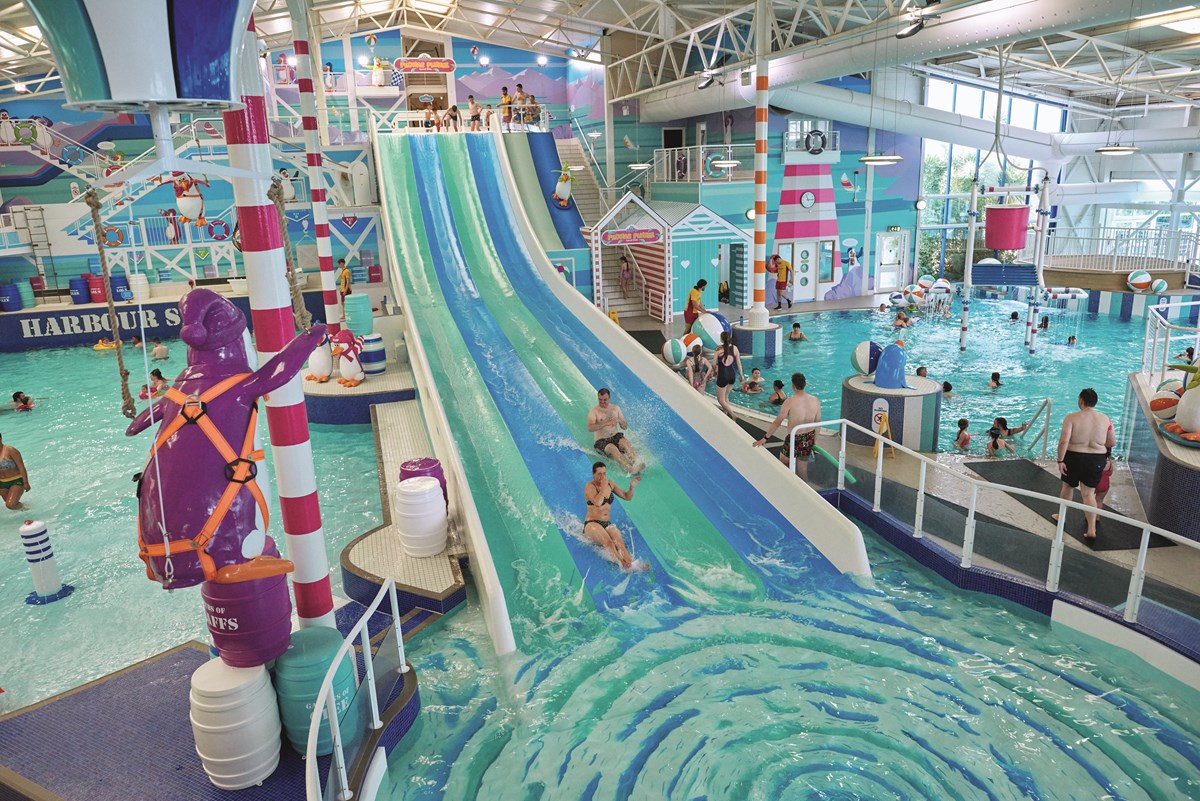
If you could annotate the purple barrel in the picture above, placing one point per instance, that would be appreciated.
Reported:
(250, 622)
(425, 466)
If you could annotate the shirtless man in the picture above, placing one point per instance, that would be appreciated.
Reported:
(604, 420)
(799, 409)
(519, 101)
(475, 111)
(1086, 440)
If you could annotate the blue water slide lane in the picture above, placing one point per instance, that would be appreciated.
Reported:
(752, 526)
(546, 161)
(534, 425)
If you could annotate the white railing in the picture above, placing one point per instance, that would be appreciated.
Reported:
(589, 147)
(1054, 569)
(1121, 249)
(698, 164)
(801, 141)
(1165, 340)
(325, 707)
(1044, 433)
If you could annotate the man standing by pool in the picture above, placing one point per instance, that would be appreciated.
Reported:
(783, 280)
(1086, 440)
(604, 420)
(799, 409)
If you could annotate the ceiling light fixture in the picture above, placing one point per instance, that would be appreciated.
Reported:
(726, 164)
(705, 80)
(912, 28)
(575, 167)
(542, 61)
(20, 88)
(484, 61)
(595, 134)
(881, 159)
(640, 165)
(1117, 149)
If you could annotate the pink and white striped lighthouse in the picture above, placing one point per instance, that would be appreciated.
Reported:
(271, 314)
(312, 152)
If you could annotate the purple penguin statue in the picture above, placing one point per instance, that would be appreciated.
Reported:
(201, 513)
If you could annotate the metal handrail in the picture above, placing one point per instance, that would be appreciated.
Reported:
(1137, 579)
(597, 172)
(325, 703)
(1044, 434)
(1157, 323)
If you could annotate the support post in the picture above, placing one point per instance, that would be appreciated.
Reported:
(305, 63)
(247, 137)
(968, 261)
(1037, 310)
(759, 317)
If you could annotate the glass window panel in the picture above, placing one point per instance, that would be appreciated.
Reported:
(826, 256)
(1050, 119)
(958, 211)
(968, 100)
(1023, 113)
(933, 168)
(939, 94)
(934, 211)
(962, 168)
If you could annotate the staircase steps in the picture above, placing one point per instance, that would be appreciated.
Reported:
(584, 190)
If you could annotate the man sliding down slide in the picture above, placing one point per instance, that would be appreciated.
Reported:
(603, 421)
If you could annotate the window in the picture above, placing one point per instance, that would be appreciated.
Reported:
(826, 248)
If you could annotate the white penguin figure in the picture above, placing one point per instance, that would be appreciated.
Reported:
(8, 133)
(289, 189)
(320, 363)
(562, 190)
(42, 137)
(347, 347)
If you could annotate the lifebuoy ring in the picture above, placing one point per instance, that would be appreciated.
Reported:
(25, 138)
(113, 236)
(213, 228)
(72, 154)
(713, 172)
(815, 142)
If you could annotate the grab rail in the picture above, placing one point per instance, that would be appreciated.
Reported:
(1044, 434)
(325, 703)
(1137, 579)
(597, 172)
(1160, 330)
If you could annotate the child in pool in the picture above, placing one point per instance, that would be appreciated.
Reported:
(995, 444)
(753, 388)
(144, 392)
(778, 396)
(963, 439)
(755, 378)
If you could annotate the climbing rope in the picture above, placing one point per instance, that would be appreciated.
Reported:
(300, 313)
(128, 407)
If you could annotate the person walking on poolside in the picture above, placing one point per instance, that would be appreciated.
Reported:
(345, 283)
(783, 280)
(597, 527)
(506, 102)
(694, 307)
(1084, 446)
(729, 365)
(14, 478)
(475, 112)
(797, 410)
(605, 421)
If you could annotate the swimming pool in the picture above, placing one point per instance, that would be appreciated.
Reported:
(1107, 351)
(909, 690)
(80, 467)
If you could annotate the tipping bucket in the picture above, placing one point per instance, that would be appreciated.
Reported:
(96, 288)
(10, 298)
(119, 285)
(1005, 227)
(250, 622)
(235, 723)
(298, 676)
(420, 516)
(425, 466)
(373, 356)
(358, 313)
(79, 290)
(26, 293)
(139, 287)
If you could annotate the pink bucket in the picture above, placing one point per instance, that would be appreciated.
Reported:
(1005, 227)
(425, 466)
(37, 283)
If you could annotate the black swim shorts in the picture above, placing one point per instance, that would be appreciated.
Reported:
(615, 439)
(1085, 468)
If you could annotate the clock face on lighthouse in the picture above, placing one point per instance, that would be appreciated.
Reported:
(808, 200)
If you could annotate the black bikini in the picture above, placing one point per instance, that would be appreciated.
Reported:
(606, 502)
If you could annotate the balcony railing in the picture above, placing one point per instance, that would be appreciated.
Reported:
(705, 164)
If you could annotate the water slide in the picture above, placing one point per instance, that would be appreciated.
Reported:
(548, 165)
(528, 188)
(516, 387)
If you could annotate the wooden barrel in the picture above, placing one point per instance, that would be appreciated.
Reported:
(373, 356)
(250, 622)
(298, 676)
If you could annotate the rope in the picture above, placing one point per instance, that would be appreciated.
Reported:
(128, 407)
(300, 314)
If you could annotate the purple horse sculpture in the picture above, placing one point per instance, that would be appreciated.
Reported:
(201, 514)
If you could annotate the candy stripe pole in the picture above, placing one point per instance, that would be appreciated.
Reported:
(312, 153)
(271, 313)
(759, 317)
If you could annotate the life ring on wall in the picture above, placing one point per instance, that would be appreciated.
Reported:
(220, 225)
(709, 169)
(815, 142)
(72, 154)
(30, 135)
(113, 236)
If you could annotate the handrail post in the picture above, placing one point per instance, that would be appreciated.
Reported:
(919, 518)
(1056, 551)
(791, 446)
(396, 623)
(369, 674)
(339, 755)
(878, 474)
(1134, 600)
(841, 478)
(969, 532)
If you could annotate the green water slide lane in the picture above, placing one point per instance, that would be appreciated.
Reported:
(530, 191)
(534, 566)
(702, 563)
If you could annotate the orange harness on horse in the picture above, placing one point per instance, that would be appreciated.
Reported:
(240, 472)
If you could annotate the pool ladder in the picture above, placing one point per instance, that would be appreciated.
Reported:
(1044, 433)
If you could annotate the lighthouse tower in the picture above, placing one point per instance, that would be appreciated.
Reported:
(806, 232)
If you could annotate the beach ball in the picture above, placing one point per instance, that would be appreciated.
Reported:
(708, 327)
(942, 286)
(1138, 280)
(690, 341)
(865, 357)
(1170, 385)
(1163, 405)
(914, 295)
(896, 298)
(925, 281)
(674, 353)
(371, 40)
(1158, 287)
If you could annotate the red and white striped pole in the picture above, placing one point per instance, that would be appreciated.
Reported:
(271, 315)
(305, 64)
(759, 317)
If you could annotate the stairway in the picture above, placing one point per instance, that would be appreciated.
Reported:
(634, 305)
(1004, 275)
(584, 190)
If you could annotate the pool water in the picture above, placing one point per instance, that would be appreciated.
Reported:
(80, 467)
(1107, 351)
(910, 689)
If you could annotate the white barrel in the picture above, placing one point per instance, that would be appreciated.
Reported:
(139, 285)
(373, 356)
(420, 516)
(39, 554)
(235, 722)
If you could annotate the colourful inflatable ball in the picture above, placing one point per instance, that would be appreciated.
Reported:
(925, 281)
(708, 327)
(690, 341)
(1158, 286)
(1139, 280)
(914, 295)
(1170, 385)
(896, 299)
(865, 357)
(1163, 405)
(674, 353)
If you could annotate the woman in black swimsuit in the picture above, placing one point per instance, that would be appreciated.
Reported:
(599, 494)
(729, 367)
